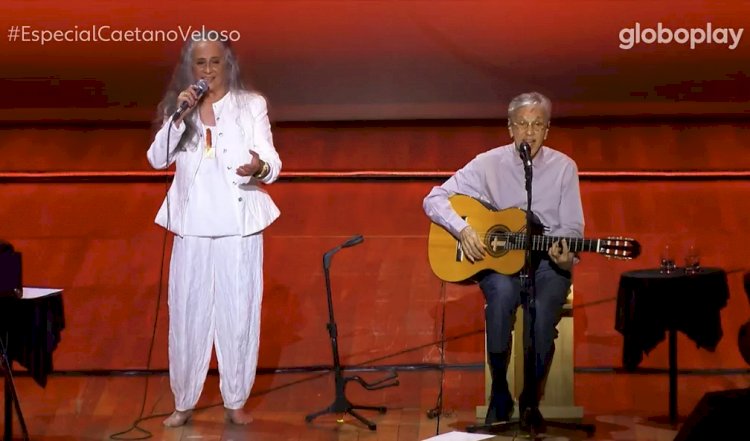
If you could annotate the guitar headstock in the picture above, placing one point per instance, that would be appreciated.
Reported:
(619, 247)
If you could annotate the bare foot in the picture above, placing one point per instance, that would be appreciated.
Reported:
(238, 416)
(178, 418)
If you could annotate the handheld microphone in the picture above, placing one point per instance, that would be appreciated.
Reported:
(202, 86)
(525, 151)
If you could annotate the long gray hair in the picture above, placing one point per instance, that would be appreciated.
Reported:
(182, 77)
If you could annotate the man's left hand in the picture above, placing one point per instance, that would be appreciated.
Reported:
(561, 255)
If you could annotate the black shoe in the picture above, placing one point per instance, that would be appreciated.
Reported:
(500, 409)
(531, 417)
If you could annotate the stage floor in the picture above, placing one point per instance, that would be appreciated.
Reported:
(623, 407)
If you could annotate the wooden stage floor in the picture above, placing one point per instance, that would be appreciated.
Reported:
(624, 407)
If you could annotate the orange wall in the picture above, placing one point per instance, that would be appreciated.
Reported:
(97, 240)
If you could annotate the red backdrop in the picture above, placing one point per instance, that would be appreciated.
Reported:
(407, 86)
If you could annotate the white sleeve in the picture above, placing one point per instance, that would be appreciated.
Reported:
(263, 139)
(157, 153)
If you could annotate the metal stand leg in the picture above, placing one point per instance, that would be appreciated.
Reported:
(11, 398)
(8, 432)
(672, 376)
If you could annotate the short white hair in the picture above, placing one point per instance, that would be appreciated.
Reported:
(530, 99)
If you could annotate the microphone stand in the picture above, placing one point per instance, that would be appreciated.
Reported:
(341, 404)
(528, 294)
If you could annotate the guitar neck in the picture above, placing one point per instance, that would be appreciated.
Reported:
(543, 243)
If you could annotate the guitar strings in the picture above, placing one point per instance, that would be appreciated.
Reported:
(515, 240)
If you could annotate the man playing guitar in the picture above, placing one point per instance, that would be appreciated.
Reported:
(497, 178)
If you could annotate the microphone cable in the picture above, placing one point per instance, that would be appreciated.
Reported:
(135, 425)
(437, 411)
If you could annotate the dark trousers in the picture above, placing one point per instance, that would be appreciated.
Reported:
(503, 296)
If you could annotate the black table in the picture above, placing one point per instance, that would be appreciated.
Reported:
(651, 304)
(30, 329)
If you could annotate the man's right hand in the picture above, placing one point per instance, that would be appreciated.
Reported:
(472, 245)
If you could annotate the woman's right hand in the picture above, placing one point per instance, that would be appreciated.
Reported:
(189, 96)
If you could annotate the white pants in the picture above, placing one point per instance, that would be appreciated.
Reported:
(215, 293)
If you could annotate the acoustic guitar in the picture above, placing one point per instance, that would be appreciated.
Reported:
(504, 234)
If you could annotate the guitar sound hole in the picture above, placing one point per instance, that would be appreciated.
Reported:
(496, 241)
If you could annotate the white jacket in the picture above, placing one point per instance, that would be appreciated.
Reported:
(243, 125)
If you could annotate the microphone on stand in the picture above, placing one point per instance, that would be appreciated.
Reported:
(202, 88)
(354, 240)
(525, 151)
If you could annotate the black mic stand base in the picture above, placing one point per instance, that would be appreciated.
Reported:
(341, 405)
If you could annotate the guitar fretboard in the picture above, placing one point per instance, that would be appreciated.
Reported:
(517, 241)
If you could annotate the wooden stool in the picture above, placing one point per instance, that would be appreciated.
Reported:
(558, 401)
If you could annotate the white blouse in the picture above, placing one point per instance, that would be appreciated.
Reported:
(210, 211)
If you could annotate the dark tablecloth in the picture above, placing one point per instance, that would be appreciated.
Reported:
(650, 303)
(32, 327)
